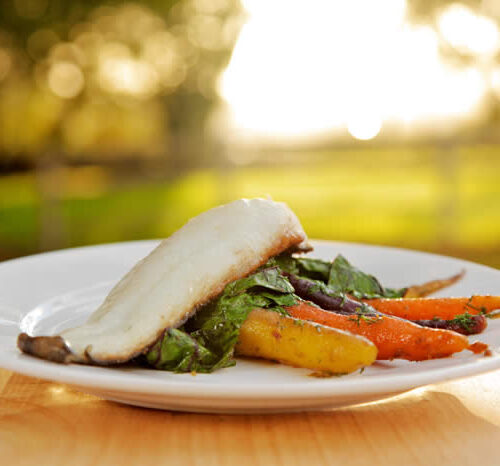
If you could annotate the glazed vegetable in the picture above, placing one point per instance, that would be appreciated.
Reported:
(466, 324)
(395, 338)
(208, 340)
(425, 289)
(429, 308)
(320, 294)
(326, 298)
(270, 335)
(249, 314)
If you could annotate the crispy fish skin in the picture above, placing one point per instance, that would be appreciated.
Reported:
(184, 272)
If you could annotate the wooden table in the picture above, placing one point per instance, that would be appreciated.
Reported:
(46, 423)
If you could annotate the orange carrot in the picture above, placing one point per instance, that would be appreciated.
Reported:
(395, 338)
(430, 308)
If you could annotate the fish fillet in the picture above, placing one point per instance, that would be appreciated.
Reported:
(165, 288)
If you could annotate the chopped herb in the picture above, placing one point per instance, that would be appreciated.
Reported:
(365, 313)
(466, 321)
(480, 309)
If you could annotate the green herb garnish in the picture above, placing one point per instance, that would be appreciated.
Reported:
(465, 321)
(480, 309)
(365, 313)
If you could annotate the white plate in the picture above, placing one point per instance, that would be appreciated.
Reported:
(37, 295)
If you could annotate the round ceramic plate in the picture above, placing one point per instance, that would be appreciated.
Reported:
(46, 293)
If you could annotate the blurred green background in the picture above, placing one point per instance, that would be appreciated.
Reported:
(378, 122)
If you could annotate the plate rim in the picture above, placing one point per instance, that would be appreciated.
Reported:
(313, 241)
(328, 388)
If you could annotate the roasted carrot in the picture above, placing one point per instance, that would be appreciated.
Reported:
(425, 289)
(466, 323)
(395, 338)
(430, 308)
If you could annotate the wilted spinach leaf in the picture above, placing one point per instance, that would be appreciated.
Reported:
(315, 269)
(345, 278)
(207, 341)
(339, 275)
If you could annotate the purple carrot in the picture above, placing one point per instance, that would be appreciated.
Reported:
(466, 324)
(309, 290)
(471, 325)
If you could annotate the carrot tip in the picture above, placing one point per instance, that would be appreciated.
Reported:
(479, 347)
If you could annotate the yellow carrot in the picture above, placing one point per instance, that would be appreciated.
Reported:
(394, 338)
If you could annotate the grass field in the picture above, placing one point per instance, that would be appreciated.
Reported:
(421, 199)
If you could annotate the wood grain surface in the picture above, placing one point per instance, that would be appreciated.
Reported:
(46, 423)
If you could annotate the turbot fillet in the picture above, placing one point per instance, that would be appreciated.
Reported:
(183, 273)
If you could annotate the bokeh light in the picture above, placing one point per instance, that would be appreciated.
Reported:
(119, 72)
(65, 80)
(115, 64)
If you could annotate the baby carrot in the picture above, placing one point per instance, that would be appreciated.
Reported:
(425, 289)
(395, 338)
(430, 308)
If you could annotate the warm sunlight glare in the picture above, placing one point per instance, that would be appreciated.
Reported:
(469, 32)
(355, 66)
(364, 126)
(495, 80)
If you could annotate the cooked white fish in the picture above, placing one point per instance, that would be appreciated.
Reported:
(165, 288)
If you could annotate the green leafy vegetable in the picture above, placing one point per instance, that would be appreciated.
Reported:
(268, 278)
(340, 276)
(315, 269)
(177, 350)
(206, 342)
(345, 278)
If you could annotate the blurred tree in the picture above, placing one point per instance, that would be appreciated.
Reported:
(105, 81)
(132, 84)
(87, 79)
